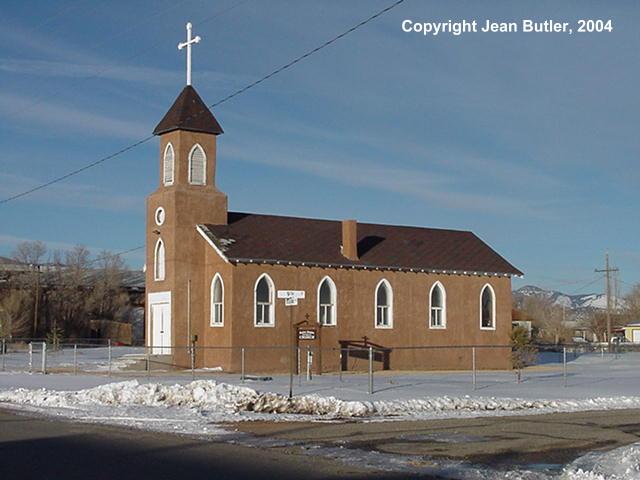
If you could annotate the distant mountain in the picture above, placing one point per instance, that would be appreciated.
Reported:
(577, 303)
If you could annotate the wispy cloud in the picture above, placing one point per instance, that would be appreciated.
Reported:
(421, 184)
(62, 118)
(70, 194)
(110, 71)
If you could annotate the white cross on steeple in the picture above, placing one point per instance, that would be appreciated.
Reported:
(188, 44)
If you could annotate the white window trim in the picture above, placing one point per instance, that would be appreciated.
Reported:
(272, 307)
(334, 307)
(493, 307)
(156, 274)
(444, 306)
(173, 165)
(155, 216)
(390, 308)
(204, 154)
(217, 276)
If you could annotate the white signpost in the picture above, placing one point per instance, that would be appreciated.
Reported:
(291, 298)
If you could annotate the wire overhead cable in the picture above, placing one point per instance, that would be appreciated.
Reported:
(219, 102)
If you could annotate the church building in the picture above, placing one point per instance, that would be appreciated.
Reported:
(214, 275)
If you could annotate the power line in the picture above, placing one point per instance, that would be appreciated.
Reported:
(102, 257)
(592, 282)
(76, 171)
(309, 53)
(225, 99)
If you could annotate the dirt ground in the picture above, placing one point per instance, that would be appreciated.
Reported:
(492, 441)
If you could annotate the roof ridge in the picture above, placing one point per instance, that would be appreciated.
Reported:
(388, 225)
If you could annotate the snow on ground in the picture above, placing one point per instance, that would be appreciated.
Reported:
(173, 402)
(620, 464)
(221, 398)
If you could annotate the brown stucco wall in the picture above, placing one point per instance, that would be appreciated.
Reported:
(355, 319)
(185, 206)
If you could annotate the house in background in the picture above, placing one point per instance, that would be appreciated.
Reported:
(632, 332)
(214, 275)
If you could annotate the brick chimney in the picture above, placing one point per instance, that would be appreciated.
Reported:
(350, 239)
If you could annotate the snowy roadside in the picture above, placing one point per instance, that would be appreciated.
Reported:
(222, 402)
(203, 407)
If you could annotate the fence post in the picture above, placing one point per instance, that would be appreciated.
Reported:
(601, 352)
(299, 357)
(473, 366)
(44, 357)
(4, 353)
(370, 370)
(148, 361)
(193, 359)
(30, 357)
(309, 360)
(564, 365)
(109, 346)
(242, 365)
(75, 359)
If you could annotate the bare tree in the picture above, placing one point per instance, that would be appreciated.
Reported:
(107, 297)
(68, 299)
(31, 253)
(547, 318)
(632, 305)
(596, 322)
(523, 353)
(15, 314)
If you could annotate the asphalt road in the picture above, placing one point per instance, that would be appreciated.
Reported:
(51, 449)
(35, 447)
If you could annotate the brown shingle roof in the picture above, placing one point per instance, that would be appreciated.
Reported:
(188, 112)
(301, 240)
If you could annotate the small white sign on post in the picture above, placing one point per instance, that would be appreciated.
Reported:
(291, 297)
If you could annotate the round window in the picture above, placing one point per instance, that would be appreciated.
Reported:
(159, 216)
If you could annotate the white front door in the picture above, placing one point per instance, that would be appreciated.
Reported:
(636, 336)
(160, 323)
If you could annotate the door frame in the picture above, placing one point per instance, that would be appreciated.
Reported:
(158, 298)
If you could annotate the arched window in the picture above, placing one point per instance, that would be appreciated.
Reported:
(487, 308)
(197, 166)
(437, 306)
(264, 302)
(327, 302)
(384, 305)
(168, 165)
(217, 301)
(158, 261)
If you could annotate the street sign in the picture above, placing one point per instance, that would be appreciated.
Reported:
(291, 301)
(290, 293)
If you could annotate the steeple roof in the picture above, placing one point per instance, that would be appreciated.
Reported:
(189, 112)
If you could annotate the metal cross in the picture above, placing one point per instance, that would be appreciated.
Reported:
(190, 41)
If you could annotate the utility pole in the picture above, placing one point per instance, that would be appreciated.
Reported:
(607, 271)
(37, 301)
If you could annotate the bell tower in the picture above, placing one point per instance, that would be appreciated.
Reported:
(186, 196)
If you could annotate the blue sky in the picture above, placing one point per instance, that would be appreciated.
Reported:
(530, 141)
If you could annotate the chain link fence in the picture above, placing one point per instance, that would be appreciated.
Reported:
(363, 368)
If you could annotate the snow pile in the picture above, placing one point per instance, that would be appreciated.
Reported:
(619, 464)
(208, 395)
